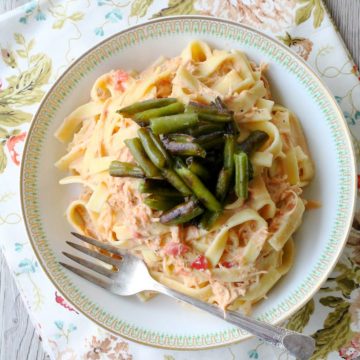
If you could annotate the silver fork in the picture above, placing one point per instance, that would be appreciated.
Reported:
(128, 275)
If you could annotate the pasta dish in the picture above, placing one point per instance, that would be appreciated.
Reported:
(191, 166)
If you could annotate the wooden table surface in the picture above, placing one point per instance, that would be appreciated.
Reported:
(18, 340)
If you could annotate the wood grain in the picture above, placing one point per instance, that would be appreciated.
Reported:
(7, 5)
(346, 15)
(18, 340)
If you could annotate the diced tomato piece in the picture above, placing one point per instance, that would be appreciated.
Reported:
(200, 263)
(176, 249)
(119, 78)
(227, 264)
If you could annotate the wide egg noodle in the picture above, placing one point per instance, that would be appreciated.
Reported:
(250, 247)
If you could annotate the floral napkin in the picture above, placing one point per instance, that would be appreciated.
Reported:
(39, 40)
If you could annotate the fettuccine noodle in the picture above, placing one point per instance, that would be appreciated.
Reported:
(251, 246)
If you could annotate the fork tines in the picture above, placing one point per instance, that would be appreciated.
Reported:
(98, 268)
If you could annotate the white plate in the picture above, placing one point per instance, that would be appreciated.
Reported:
(163, 322)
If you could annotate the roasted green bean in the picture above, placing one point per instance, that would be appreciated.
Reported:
(184, 148)
(141, 157)
(152, 151)
(182, 213)
(208, 219)
(172, 109)
(174, 179)
(210, 141)
(158, 187)
(241, 175)
(197, 187)
(217, 118)
(179, 137)
(173, 123)
(200, 108)
(220, 106)
(161, 202)
(253, 142)
(206, 128)
(197, 168)
(229, 150)
(223, 184)
(158, 143)
(146, 104)
(123, 169)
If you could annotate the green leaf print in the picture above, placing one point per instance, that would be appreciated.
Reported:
(13, 117)
(22, 53)
(177, 7)
(346, 285)
(140, 7)
(335, 333)
(3, 159)
(76, 16)
(19, 39)
(304, 12)
(331, 301)
(319, 14)
(25, 88)
(58, 24)
(31, 45)
(298, 321)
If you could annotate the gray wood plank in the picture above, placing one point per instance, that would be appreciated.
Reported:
(6, 5)
(18, 339)
(346, 15)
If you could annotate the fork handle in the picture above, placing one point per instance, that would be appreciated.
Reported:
(298, 345)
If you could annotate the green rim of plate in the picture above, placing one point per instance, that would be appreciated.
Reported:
(118, 43)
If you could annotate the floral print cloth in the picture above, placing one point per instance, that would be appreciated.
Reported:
(30, 63)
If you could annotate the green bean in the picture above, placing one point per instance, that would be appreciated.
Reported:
(179, 138)
(214, 160)
(123, 169)
(253, 142)
(158, 143)
(174, 179)
(146, 104)
(141, 158)
(231, 128)
(220, 106)
(208, 219)
(223, 184)
(161, 202)
(182, 213)
(185, 148)
(217, 118)
(210, 141)
(206, 128)
(209, 112)
(197, 187)
(241, 175)
(173, 123)
(229, 150)
(226, 173)
(152, 151)
(200, 108)
(171, 109)
(157, 187)
(197, 168)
